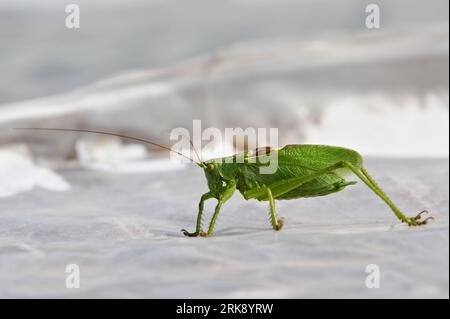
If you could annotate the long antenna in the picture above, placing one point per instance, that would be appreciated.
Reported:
(195, 150)
(106, 133)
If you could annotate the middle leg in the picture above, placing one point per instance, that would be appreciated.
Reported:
(276, 224)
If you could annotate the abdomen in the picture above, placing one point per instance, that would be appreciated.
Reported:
(302, 160)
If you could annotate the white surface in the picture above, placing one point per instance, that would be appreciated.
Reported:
(19, 174)
(123, 230)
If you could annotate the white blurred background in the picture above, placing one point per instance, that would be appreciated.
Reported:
(310, 68)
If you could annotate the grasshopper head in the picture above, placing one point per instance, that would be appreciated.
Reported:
(213, 176)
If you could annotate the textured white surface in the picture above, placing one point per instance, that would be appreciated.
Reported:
(19, 174)
(123, 232)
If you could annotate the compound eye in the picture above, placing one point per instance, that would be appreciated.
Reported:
(211, 167)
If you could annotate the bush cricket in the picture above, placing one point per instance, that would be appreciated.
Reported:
(303, 171)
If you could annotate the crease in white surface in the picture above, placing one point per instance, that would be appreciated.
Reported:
(111, 155)
(18, 173)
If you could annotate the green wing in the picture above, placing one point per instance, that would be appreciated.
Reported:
(294, 163)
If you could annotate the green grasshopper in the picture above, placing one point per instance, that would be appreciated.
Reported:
(303, 171)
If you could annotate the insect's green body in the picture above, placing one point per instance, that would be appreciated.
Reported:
(293, 161)
(303, 171)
